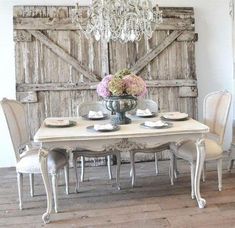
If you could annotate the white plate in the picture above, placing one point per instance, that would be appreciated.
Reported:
(105, 116)
(115, 128)
(153, 114)
(175, 116)
(59, 123)
(166, 125)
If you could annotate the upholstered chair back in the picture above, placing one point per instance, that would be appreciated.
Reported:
(216, 109)
(147, 103)
(17, 124)
(96, 106)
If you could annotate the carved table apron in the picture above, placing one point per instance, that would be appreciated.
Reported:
(129, 137)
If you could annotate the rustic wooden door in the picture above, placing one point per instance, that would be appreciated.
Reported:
(57, 67)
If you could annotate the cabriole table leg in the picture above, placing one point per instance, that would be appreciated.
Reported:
(200, 144)
(43, 154)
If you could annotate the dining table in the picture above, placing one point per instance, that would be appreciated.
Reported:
(81, 133)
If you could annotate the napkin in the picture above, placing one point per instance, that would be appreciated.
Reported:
(93, 114)
(57, 122)
(158, 123)
(145, 112)
(98, 127)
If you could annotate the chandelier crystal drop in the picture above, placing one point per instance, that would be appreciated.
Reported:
(119, 20)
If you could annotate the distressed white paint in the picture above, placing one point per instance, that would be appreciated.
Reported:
(213, 54)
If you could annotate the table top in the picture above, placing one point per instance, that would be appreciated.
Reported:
(79, 132)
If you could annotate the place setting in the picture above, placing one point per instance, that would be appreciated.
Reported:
(59, 123)
(144, 113)
(159, 124)
(107, 127)
(93, 115)
(175, 116)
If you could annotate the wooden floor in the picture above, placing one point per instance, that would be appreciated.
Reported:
(152, 203)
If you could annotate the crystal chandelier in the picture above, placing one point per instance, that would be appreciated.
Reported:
(119, 20)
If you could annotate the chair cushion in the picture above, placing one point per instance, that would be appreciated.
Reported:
(29, 162)
(187, 150)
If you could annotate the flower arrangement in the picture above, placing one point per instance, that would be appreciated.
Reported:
(124, 82)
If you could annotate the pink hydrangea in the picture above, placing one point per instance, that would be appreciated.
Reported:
(134, 85)
(103, 88)
(118, 85)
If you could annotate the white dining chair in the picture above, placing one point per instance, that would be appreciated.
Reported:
(83, 109)
(215, 114)
(26, 154)
(153, 107)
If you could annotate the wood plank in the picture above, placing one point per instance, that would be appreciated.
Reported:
(22, 36)
(188, 92)
(188, 36)
(152, 203)
(64, 55)
(29, 23)
(177, 12)
(104, 50)
(28, 97)
(50, 60)
(92, 85)
(142, 62)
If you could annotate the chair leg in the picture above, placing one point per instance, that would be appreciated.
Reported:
(20, 188)
(176, 172)
(54, 189)
(230, 164)
(109, 167)
(156, 164)
(219, 170)
(76, 174)
(204, 172)
(131, 172)
(132, 158)
(31, 182)
(118, 170)
(66, 175)
(171, 168)
(192, 167)
(82, 168)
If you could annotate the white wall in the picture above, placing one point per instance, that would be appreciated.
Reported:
(213, 54)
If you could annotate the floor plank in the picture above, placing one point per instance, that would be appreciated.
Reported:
(153, 202)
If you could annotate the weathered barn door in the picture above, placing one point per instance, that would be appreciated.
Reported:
(57, 67)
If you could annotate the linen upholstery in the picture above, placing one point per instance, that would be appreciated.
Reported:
(188, 150)
(17, 125)
(216, 107)
(27, 158)
(215, 113)
(29, 163)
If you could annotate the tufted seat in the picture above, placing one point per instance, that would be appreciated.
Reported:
(29, 162)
